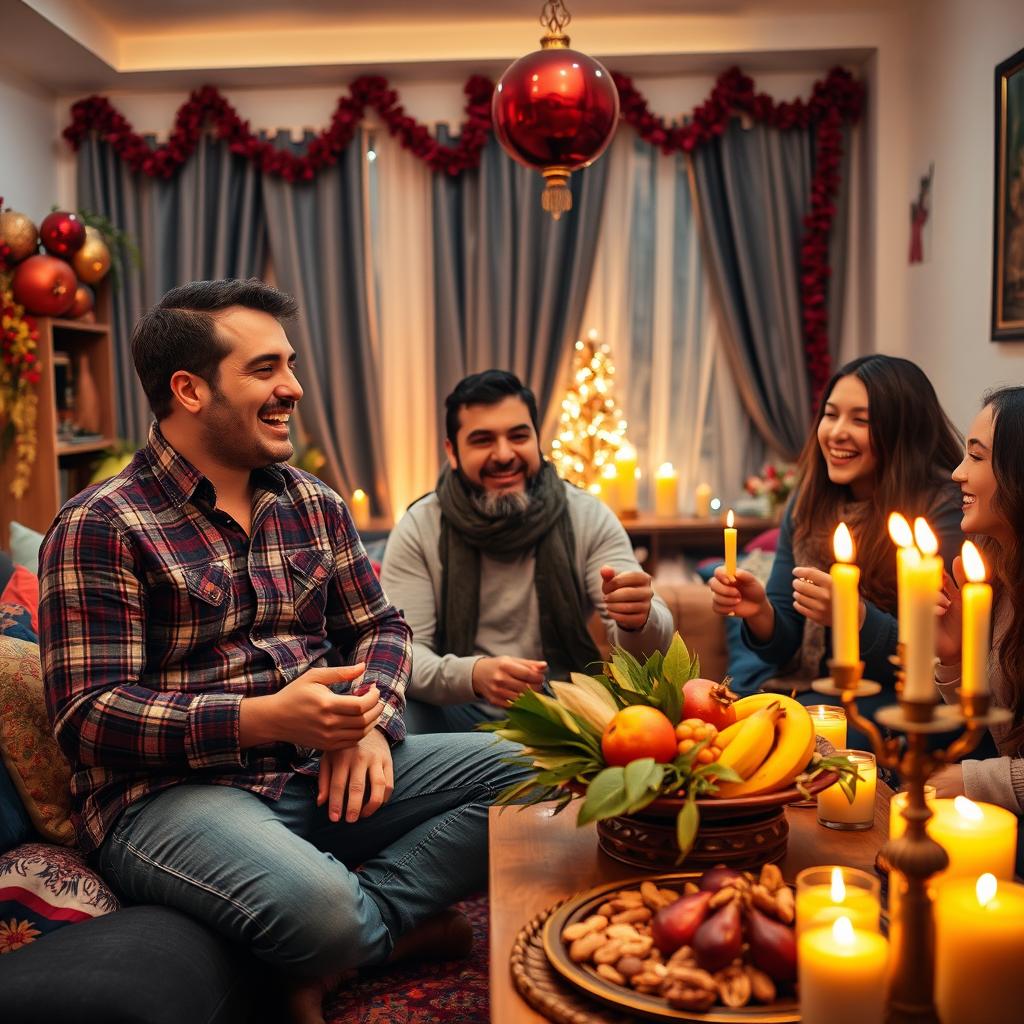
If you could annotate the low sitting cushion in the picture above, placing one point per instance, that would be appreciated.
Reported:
(43, 888)
(35, 762)
(16, 621)
(23, 590)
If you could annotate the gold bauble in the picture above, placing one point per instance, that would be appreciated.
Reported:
(92, 261)
(19, 233)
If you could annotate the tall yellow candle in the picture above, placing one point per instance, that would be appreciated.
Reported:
(923, 575)
(666, 491)
(976, 596)
(829, 723)
(610, 486)
(360, 507)
(702, 501)
(824, 894)
(730, 546)
(625, 464)
(845, 600)
(979, 949)
(903, 537)
(978, 838)
(842, 973)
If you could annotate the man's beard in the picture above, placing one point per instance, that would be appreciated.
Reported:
(500, 504)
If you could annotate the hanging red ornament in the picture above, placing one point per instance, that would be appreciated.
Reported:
(63, 234)
(555, 109)
(85, 301)
(44, 285)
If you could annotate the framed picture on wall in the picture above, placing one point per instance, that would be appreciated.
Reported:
(1008, 233)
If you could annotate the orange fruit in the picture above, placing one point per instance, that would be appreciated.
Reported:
(638, 731)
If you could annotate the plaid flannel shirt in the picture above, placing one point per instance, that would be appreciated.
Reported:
(158, 615)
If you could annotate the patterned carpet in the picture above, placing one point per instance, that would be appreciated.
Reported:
(455, 992)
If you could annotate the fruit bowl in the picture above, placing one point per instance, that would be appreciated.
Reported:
(740, 832)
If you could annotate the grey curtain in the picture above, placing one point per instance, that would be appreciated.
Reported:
(753, 191)
(511, 282)
(318, 233)
(205, 222)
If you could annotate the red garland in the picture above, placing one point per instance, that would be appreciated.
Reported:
(837, 99)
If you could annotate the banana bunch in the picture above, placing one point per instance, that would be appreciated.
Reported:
(768, 745)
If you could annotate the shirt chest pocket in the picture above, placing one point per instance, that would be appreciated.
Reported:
(309, 572)
(208, 589)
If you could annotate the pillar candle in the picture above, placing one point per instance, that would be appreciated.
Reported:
(610, 486)
(903, 537)
(666, 491)
(923, 575)
(702, 501)
(842, 973)
(360, 507)
(845, 600)
(979, 949)
(976, 596)
(978, 838)
(730, 546)
(625, 464)
(825, 894)
(897, 823)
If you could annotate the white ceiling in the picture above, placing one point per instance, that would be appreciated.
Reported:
(75, 46)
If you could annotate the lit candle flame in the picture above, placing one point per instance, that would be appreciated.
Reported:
(730, 519)
(968, 809)
(899, 530)
(665, 470)
(838, 886)
(974, 564)
(358, 494)
(842, 543)
(986, 889)
(626, 453)
(842, 931)
(609, 472)
(926, 541)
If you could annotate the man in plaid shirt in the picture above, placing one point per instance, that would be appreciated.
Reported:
(226, 675)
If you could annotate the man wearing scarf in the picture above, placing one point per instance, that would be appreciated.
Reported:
(499, 569)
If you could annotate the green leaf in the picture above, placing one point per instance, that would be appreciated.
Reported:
(687, 824)
(624, 665)
(678, 666)
(653, 665)
(721, 772)
(643, 779)
(606, 797)
(669, 698)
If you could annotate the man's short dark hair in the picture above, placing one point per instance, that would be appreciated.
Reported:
(180, 332)
(486, 388)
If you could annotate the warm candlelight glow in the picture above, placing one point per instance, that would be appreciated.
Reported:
(899, 530)
(842, 931)
(927, 542)
(730, 519)
(968, 809)
(360, 508)
(842, 543)
(730, 545)
(986, 888)
(974, 564)
(665, 471)
(838, 886)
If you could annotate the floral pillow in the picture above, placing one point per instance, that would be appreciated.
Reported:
(43, 888)
(17, 622)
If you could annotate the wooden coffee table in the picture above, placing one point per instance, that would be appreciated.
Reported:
(537, 859)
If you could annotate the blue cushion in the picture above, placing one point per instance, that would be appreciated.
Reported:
(16, 622)
(15, 826)
(25, 546)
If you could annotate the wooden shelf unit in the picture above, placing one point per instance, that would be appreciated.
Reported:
(42, 501)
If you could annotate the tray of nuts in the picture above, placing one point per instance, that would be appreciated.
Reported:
(713, 947)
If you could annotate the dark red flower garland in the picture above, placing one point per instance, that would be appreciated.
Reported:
(837, 99)
(96, 113)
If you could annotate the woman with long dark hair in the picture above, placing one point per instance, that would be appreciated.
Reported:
(991, 479)
(882, 442)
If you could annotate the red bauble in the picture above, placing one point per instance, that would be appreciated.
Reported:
(555, 110)
(44, 285)
(63, 234)
(85, 300)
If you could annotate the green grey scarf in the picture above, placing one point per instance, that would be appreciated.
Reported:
(544, 527)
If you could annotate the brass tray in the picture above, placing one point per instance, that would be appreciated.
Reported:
(581, 906)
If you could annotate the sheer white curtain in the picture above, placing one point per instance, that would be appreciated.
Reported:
(403, 232)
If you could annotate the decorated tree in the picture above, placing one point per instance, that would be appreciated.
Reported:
(590, 428)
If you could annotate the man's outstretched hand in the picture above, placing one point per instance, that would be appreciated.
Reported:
(627, 596)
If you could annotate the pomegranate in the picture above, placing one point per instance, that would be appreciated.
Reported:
(709, 701)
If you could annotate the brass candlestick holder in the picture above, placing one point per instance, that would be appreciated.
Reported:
(915, 855)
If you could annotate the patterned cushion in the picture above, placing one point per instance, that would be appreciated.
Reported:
(17, 622)
(43, 888)
(23, 589)
(35, 762)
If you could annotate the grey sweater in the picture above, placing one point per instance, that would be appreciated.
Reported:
(996, 780)
(509, 618)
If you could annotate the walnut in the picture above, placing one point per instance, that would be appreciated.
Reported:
(734, 986)
(680, 997)
(761, 985)
(771, 877)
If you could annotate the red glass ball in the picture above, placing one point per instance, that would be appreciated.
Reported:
(44, 285)
(555, 108)
(62, 233)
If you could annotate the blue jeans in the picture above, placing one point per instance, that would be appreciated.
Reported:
(279, 877)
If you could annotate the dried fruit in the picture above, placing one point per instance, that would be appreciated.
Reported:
(772, 946)
(675, 925)
(719, 940)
